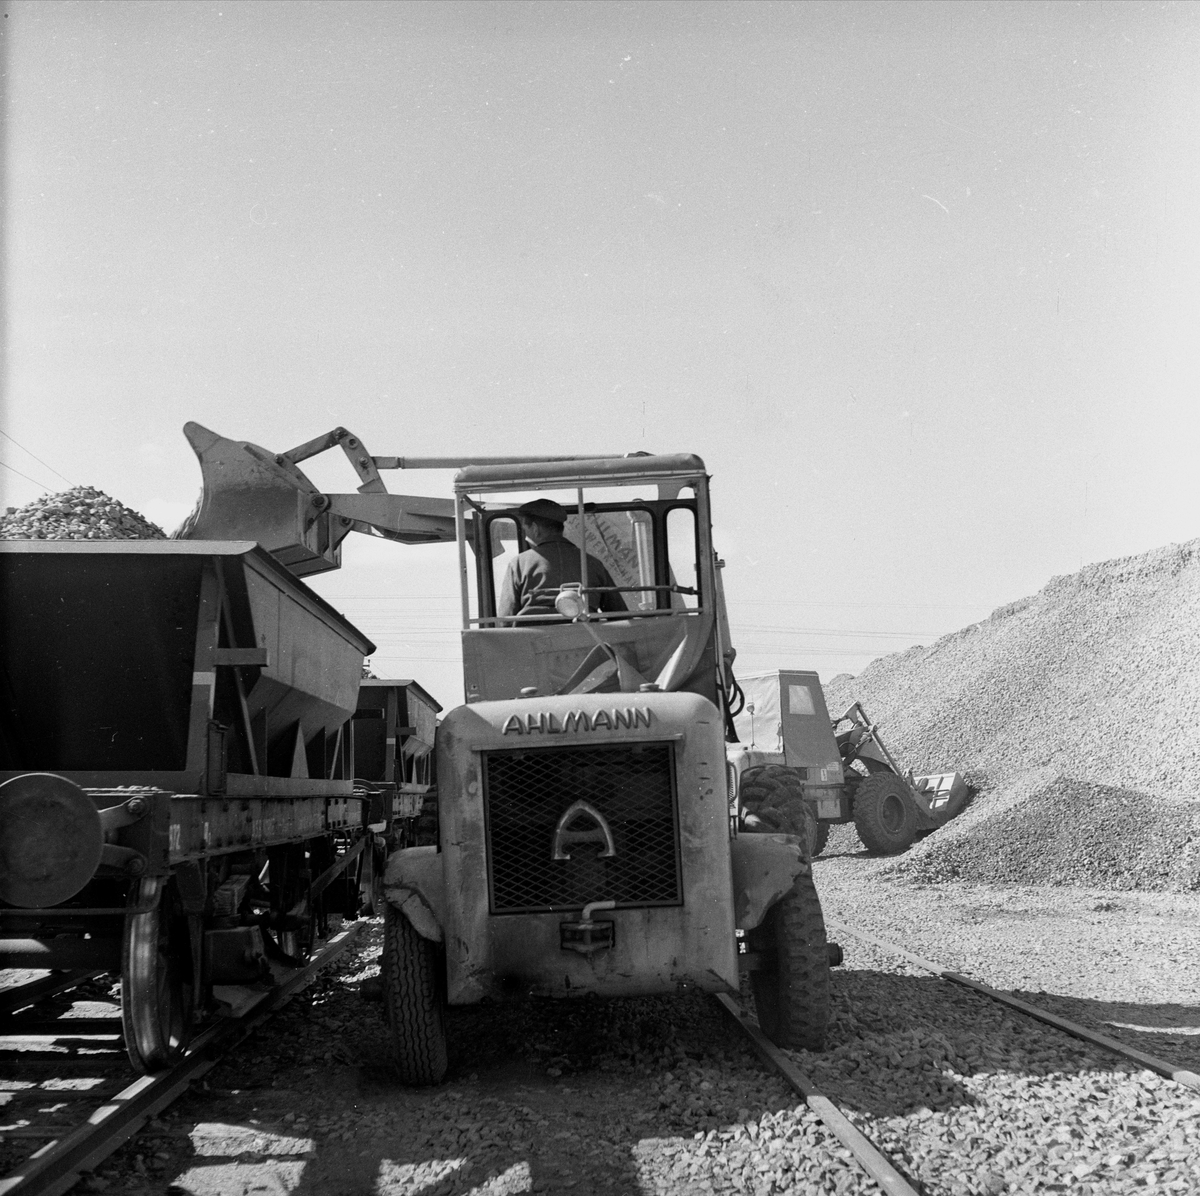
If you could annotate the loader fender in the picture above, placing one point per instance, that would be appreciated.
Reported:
(764, 868)
(413, 884)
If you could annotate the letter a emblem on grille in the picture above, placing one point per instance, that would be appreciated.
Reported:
(572, 831)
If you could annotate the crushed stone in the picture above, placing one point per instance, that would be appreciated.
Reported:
(662, 1096)
(81, 513)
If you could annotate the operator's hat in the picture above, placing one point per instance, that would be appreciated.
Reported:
(543, 508)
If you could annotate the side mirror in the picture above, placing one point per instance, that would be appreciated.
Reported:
(570, 602)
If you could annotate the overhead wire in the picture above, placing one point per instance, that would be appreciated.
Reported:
(26, 477)
(921, 605)
(754, 641)
(743, 653)
(743, 633)
(453, 597)
(777, 629)
(36, 458)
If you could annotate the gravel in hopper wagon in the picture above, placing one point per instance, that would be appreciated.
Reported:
(81, 513)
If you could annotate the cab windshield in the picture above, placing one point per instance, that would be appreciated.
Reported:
(647, 548)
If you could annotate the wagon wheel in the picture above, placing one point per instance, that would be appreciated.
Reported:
(370, 880)
(156, 982)
(321, 853)
(293, 920)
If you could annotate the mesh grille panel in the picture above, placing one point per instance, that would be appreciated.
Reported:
(632, 786)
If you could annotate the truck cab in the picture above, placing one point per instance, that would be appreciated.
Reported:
(646, 520)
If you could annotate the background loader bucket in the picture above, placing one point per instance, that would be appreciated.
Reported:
(946, 793)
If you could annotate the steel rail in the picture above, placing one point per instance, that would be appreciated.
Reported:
(866, 1153)
(56, 1168)
(1164, 1067)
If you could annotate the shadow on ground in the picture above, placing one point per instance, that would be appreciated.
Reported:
(903, 1043)
(581, 1097)
(587, 1097)
(1170, 1032)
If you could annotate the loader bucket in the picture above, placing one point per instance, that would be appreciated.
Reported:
(945, 793)
(248, 493)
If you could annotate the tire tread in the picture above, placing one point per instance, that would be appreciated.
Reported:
(774, 795)
(868, 798)
(413, 1000)
(793, 1000)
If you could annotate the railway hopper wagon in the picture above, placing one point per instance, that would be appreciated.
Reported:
(394, 728)
(177, 794)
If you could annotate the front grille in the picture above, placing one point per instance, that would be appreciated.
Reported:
(527, 791)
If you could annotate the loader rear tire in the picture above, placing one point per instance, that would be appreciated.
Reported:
(414, 1000)
(822, 838)
(884, 815)
(773, 802)
(791, 993)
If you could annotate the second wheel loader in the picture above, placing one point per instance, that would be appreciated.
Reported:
(791, 751)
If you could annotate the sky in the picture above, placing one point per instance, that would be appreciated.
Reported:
(919, 282)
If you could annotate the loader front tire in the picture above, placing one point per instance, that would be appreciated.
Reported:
(413, 998)
(773, 802)
(883, 814)
(791, 988)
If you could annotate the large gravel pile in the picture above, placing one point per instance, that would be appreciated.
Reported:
(1090, 689)
(82, 513)
(1078, 833)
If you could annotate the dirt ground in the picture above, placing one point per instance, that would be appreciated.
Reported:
(602, 1098)
(541, 1096)
(1122, 963)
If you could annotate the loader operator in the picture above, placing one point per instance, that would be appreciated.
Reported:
(535, 575)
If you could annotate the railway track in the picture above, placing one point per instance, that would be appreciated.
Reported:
(77, 1097)
(884, 1172)
(650, 1096)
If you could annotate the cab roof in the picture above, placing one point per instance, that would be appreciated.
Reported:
(601, 471)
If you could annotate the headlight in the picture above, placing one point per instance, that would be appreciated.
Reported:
(570, 602)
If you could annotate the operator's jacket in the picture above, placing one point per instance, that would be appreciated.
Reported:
(535, 575)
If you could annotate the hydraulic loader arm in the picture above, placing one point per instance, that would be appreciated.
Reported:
(862, 740)
(406, 518)
(373, 510)
(725, 649)
(250, 493)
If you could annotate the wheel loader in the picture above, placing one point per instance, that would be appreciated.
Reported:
(790, 749)
(602, 831)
